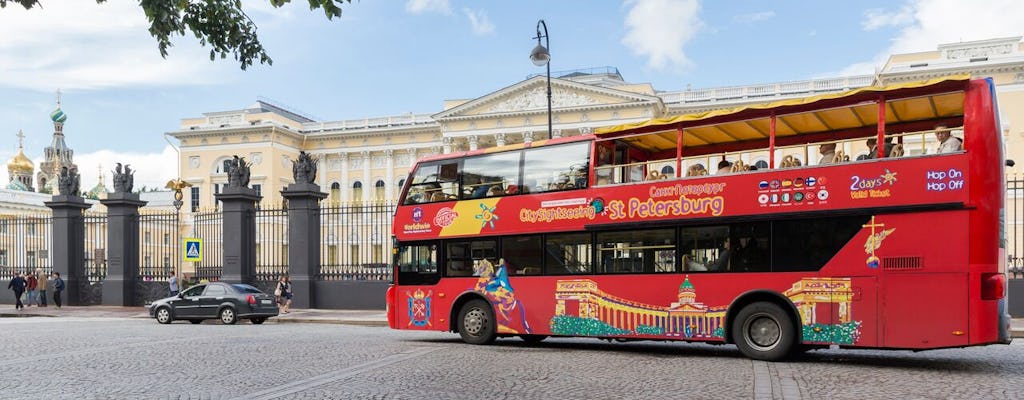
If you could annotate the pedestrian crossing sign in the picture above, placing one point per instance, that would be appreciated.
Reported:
(193, 249)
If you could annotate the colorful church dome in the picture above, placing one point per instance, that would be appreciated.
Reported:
(686, 286)
(20, 163)
(58, 115)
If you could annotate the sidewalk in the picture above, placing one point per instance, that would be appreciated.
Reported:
(347, 317)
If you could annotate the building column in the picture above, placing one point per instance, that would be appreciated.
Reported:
(303, 240)
(527, 137)
(412, 157)
(447, 144)
(473, 140)
(367, 185)
(345, 185)
(239, 233)
(68, 244)
(122, 248)
(389, 180)
(499, 139)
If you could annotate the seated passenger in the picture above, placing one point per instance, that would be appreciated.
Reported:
(721, 264)
(495, 191)
(739, 166)
(828, 153)
(438, 196)
(479, 191)
(724, 167)
(654, 175)
(873, 148)
(947, 142)
(696, 170)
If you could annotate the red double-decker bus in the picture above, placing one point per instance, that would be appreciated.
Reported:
(870, 218)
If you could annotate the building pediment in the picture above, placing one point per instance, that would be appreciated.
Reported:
(531, 96)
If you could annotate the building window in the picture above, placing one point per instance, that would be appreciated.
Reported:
(332, 254)
(30, 258)
(378, 190)
(31, 229)
(167, 239)
(357, 191)
(335, 192)
(258, 189)
(148, 238)
(195, 199)
(3, 257)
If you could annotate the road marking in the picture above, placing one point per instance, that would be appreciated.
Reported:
(775, 381)
(306, 384)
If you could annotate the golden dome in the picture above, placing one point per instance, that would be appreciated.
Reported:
(20, 163)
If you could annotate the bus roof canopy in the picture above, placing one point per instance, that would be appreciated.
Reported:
(853, 109)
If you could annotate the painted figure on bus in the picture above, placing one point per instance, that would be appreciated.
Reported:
(494, 284)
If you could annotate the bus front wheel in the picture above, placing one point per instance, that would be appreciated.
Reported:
(476, 322)
(764, 331)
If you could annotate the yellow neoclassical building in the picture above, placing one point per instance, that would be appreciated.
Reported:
(368, 159)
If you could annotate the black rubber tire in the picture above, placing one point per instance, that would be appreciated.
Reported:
(764, 331)
(258, 320)
(195, 321)
(164, 315)
(476, 322)
(228, 316)
(533, 339)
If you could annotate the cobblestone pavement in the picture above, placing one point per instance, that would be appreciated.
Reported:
(134, 358)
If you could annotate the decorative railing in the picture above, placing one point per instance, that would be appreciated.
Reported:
(755, 92)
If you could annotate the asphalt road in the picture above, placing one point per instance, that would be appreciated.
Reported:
(131, 358)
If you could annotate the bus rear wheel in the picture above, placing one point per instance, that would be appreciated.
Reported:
(764, 331)
(476, 322)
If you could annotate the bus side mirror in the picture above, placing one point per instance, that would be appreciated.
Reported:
(1009, 162)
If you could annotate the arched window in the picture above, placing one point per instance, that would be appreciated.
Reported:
(357, 191)
(668, 171)
(221, 165)
(761, 164)
(335, 192)
(378, 190)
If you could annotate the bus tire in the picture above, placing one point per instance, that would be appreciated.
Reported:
(476, 322)
(764, 331)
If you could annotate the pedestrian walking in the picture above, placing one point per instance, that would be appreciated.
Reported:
(58, 287)
(172, 284)
(30, 285)
(17, 284)
(41, 286)
(286, 294)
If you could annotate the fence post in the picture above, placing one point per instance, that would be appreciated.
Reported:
(122, 248)
(239, 233)
(68, 243)
(303, 240)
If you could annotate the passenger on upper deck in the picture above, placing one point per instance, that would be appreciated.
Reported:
(947, 142)
(873, 149)
(724, 167)
(828, 153)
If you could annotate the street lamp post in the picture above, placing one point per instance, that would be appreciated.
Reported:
(541, 55)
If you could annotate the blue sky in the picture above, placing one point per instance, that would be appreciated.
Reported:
(392, 57)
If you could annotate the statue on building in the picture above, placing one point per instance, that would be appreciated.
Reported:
(304, 168)
(68, 181)
(238, 172)
(123, 180)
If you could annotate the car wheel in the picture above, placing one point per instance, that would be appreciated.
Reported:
(476, 322)
(532, 339)
(195, 321)
(764, 331)
(257, 321)
(227, 316)
(163, 315)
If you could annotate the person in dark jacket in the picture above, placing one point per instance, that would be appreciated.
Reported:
(58, 287)
(18, 286)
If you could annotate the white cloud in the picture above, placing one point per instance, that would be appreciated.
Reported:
(925, 24)
(152, 169)
(478, 19)
(754, 17)
(84, 45)
(660, 29)
(422, 6)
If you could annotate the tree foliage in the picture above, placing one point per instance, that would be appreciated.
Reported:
(220, 25)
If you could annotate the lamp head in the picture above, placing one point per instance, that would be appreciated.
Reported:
(540, 56)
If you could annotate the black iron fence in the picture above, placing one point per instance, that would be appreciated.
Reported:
(159, 244)
(25, 244)
(271, 243)
(356, 241)
(1014, 224)
(95, 247)
(209, 226)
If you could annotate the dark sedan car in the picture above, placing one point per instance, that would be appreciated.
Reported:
(225, 301)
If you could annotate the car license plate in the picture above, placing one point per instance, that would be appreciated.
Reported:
(265, 301)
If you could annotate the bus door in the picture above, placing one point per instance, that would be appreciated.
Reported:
(417, 274)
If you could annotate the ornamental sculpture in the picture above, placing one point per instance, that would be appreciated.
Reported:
(238, 172)
(68, 181)
(124, 180)
(304, 168)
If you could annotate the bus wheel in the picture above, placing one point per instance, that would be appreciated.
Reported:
(763, 331)
(476, 322)
(531, 339)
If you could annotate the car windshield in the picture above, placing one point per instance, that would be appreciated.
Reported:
(243, 288)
